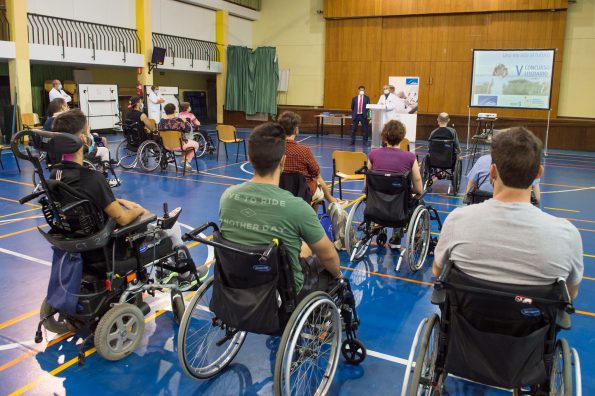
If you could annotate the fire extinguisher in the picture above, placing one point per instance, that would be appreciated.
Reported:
(139, 89)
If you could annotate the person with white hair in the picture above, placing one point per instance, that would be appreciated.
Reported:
(58, 92)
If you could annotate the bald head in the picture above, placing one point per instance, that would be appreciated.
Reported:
(56, 83)
(443, 119)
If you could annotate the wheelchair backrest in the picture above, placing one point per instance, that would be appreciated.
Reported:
(387, 198)
(442, 153)
(499, 334)
(478, 196)
(296, 184)
(134, 132)
(251, 294)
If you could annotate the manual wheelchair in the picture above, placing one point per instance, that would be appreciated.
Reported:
(442, 162)
(109, 268)
(253, 290)
(495, 334)
(389, 203)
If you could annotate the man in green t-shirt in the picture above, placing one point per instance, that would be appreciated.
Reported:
(255, 212)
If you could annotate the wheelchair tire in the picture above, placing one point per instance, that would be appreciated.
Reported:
(177, 306)
(52, 320)
(196, 313)
(425, 170)
(202, 145)
(457, 173)
(353, 352)
(150, 155)
(119, 332)
(89, 165)
(381, 238)
(425, 361)
(313, 332)
(357, 241)
(125, 158)
(418, 238)
(561, 374)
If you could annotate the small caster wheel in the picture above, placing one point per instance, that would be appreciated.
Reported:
(81, 359)
(38, 337)
(353, 351)
(381, 239)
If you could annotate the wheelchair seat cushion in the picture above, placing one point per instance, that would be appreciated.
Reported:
(388, 197)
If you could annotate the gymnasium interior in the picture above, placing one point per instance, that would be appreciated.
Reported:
(491, 66)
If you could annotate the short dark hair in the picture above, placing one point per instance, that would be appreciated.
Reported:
(169, 108)
(289, 121)
(266, 147)
(55, 106)
(184, 106)
(73, 122)
(517, 155)
(393, 132)
(361, 87)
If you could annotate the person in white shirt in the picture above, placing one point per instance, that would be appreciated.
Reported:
(58, 92)
(155, 103)
(389, 101)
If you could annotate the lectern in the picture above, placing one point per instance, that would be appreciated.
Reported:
(378, 121)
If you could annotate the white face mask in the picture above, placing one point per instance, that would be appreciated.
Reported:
(362, 92)
(386, 91)
(60, 87)
(189, 109)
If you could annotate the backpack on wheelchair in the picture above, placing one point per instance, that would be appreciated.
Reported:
(442, 162)
(253, 291)
(99, 271)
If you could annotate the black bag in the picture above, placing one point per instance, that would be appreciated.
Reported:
(65, 281)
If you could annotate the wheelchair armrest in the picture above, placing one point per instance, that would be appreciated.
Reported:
(438, 296)
(362, 170)
(563, 320)
(137, 224)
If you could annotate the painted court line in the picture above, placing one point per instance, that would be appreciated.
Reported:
(24, 256)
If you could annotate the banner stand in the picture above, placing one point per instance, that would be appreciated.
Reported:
(547, 131)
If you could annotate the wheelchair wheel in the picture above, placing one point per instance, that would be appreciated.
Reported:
(309, 349)
(425, 169)
(89, 165)
(456, 177)
(418, 238)
(150, 155)
(205, 346)
(358, 238)
(202, 145)
(561, 375)
(126, 158)
(381, 238)
(423, 382)
(119, 331)
(177, 306)
(353, 351)
(52, 320)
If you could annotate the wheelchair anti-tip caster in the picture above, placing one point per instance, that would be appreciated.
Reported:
(353, 351)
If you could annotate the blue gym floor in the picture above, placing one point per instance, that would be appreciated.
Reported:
(390, 304)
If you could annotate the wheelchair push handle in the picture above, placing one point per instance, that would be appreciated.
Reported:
(566, 299)
(30, 197)
(194, 234)
(264, 258)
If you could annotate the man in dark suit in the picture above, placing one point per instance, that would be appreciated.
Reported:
(359, 114)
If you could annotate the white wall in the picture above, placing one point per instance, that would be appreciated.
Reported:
(185, 20)
(240, 31)
(107, 12)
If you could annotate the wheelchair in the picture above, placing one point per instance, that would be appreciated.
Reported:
(495, 334)
(117, 265)
(252, 290)
(127, 150)
(442, 162)
(389, 203)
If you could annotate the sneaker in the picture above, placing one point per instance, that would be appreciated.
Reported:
(395, 242)
(113, 183)
(168, 277)
(191, 283)
(188, 167)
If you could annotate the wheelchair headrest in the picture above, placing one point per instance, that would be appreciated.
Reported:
(51, 142)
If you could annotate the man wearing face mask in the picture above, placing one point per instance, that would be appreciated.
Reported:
(389, 101)
(155, 102)
(359, 114)
(58, 92)
(136, 115)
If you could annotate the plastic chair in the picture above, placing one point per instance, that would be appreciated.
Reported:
(227, 134)
(404, 145)
(2, 147)
(345, 164)
(30, 121)
(173, 141)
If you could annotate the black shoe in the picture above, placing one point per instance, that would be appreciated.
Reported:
(395, 242)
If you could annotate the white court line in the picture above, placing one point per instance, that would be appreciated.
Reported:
(565, 191)
(24, 256)
(245, 170)
(304, 139)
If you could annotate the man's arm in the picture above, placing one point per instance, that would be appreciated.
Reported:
(148, 124)
(418, 187)
(573, 291)
(436, 270)
(66, 97)
(124, 212)
(327, 254)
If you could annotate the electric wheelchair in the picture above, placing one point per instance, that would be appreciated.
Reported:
(442, 162)
(253, 290)
(389, 203)
(495, 334)
(99, 271)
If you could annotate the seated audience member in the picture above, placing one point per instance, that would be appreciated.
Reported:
(506, 239)
(394, 160)
(255, 212)
(58, 92)
(136, 115)
(186, 115)
(299, 158)
(445, 132)
(173, 123)
(92, 185)
(479, 178)
(56, 107)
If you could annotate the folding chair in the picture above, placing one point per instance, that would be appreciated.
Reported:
(227, 134)
(172, 141)
(345, 165)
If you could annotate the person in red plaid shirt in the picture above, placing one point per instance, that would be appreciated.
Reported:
(299, 158)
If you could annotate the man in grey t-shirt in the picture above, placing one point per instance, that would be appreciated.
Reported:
(506, 239)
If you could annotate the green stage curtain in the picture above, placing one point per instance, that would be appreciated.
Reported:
(252, 80)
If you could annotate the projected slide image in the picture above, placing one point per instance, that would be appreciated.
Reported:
(512, 78)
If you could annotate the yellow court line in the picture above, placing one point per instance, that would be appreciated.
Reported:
(177, 178)
(354, 201)
(18, 319)
(589, 255)
(16, 201)
(17, 182)
(195, 243)
(585, 229)
(34, 351)
(16, 213)
(562, 210)
(588, 278)
(22, 231)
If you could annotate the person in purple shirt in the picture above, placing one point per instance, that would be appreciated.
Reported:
(394, 160)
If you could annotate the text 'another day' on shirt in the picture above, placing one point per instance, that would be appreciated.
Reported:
(253, 214)
(511, 243)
